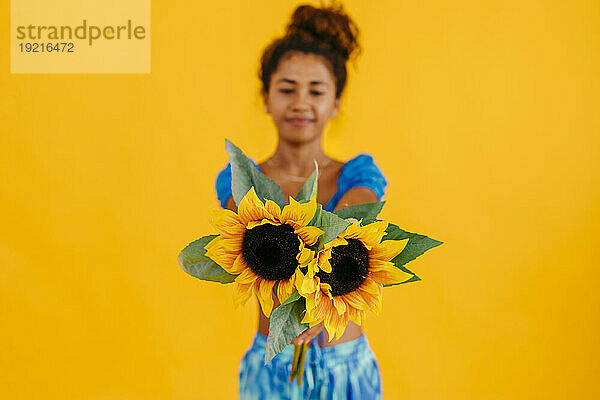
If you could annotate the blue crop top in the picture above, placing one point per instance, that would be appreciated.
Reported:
(359, 171)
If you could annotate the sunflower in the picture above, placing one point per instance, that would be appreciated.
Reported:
(345, 279)
(263, 244)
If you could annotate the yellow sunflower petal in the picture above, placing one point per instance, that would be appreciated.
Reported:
(239, 265)
(232, 244)
(342, 323)
(254, 224)
(371, 292)
(217, 251)
(246, 276)
(377, 226)
(339, 304)
(251, 208)
(355, 315)
(320, 306)
(373, 301)
(307, 319)
(226, 222)
(285, 289)
(312, 267)
(273, 209)
(241, 293)
(265, 296)
(338, 241)
(213, 243)
(312, 323)
(309, 234)
(298, 279)
(325, 266)
(370, 286)
(352, 231)
(371, 234)
(336, 324)
(326, 288)
(305, 256)
(309, 284)
(388, 249)
(310, 301)
(323, 261)
(330, 325)
(297, 214)
(386, 273)
(355, 301)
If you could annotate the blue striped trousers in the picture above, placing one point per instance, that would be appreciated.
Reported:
(345, 371)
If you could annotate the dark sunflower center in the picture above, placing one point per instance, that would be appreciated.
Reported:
(270, 251)
(349, 267)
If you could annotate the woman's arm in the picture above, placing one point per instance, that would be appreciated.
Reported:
(230, 205)
(356, 196)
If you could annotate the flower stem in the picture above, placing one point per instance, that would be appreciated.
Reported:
(295, 361)
(303, 348)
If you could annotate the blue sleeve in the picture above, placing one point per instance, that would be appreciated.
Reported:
(362, 171)
(223, 184)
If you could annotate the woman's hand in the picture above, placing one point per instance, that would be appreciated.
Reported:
(308, 335)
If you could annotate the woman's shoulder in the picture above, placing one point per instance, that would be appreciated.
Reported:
(361, 160)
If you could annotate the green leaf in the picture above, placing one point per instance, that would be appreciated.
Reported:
(416, 246)
(316, 219)
(330, 223)
(244, 175)
(366, 211)
(309, 189)
(193, 260)
(285, 325)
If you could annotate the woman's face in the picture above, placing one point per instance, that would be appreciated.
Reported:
(301, 97)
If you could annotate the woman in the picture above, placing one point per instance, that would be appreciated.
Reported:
(303, 76)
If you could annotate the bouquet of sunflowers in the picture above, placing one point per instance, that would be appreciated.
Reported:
(323, 266)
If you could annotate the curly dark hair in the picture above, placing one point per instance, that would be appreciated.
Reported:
(326, 31)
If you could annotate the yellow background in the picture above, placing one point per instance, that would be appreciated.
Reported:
(483, 115)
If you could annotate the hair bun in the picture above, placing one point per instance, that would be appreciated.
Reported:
(328, 24)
